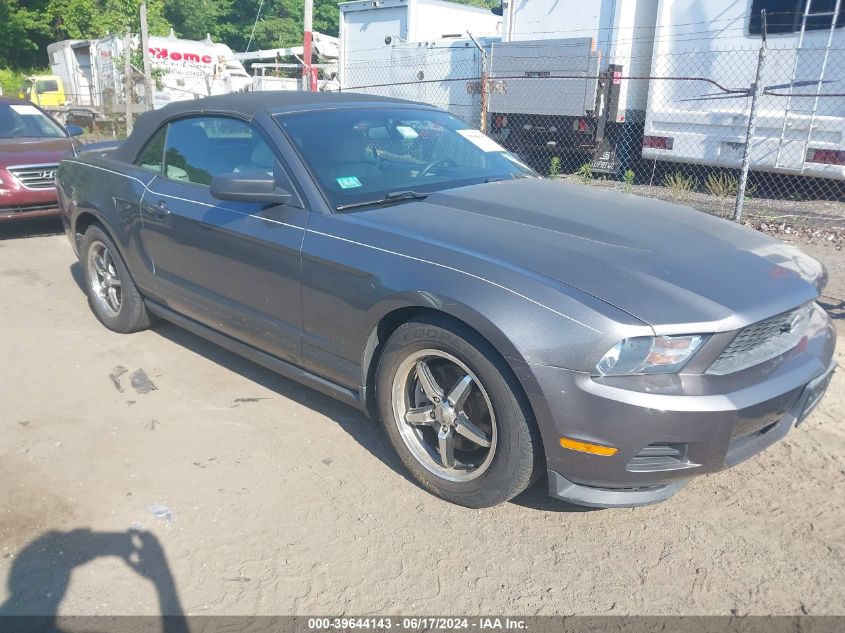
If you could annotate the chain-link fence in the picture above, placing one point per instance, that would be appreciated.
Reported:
(755, 132)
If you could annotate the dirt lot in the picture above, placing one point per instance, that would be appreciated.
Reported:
(158, 472)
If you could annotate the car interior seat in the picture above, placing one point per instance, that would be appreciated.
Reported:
(189, 150)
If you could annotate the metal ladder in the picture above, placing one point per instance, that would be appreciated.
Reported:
(808, 12)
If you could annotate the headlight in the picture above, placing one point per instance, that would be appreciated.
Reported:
(649, 355)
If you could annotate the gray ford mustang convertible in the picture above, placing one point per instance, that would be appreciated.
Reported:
(501, 326)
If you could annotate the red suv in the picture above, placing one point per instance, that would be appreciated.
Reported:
(31, 146)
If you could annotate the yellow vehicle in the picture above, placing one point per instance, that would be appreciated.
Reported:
(44, 90)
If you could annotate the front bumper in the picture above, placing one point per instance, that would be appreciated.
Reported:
(668, 429)
(29, 211)
(19, 203)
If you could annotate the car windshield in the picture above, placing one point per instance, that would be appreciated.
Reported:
(359, 156)
(22, 120)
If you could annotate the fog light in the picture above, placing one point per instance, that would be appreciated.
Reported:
(586, 447)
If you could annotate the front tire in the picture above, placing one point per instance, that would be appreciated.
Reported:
(112, 294)
(455, 414)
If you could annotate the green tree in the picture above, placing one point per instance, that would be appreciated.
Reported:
(89, 19)
(24, 32)
(120, 14)
(75, 19)
(193, 19)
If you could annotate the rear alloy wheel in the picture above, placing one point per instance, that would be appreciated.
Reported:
(104, 279)
(112, 294)
(455, 414)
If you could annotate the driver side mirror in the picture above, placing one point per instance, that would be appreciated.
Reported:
(255, 186)
(74, 130)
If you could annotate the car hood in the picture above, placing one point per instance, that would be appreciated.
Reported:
(33, 151)
(668, 265)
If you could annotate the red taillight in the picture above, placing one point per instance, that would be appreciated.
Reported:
(657, 142)
(500, 121)
(826, 156)
(583, 126)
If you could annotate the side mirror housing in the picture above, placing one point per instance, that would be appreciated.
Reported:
(74, 130)
(249, 187)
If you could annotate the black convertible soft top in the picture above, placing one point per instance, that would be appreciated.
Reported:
(245, 104)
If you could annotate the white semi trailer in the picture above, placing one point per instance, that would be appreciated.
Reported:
(800, 123)
(674, 82)
(557, 77)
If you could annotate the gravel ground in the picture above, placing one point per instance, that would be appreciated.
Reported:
(157, 472)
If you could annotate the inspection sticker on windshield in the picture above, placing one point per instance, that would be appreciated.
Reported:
(348, 182)
(481, 140)
(25, 109)
(406, 131)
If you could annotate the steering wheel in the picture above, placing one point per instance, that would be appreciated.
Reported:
(444, 162)
(14, 131)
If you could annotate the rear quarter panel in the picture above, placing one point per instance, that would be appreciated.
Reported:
(92, 184)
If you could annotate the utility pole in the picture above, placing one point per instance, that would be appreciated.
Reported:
(309, 73)
(127, 79)
(145, 55)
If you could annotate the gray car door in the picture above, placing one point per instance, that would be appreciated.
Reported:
(233, 266)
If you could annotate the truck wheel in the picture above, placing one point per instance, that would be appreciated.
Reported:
(112, 294)
(455, 415)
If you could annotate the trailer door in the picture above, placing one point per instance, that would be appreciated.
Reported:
(550, 77)
(84, 81)
(366, 57)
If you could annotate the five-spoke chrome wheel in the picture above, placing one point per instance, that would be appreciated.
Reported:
(444, 415)
(104, 278)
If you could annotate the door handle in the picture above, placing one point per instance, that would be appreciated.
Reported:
(159, 210)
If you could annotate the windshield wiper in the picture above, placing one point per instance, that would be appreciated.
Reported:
(393, 196)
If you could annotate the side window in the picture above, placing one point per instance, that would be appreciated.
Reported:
(786, 16)
(46, 85)
(200, 148)
(151, 156)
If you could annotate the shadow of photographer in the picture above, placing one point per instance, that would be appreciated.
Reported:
(40, 574)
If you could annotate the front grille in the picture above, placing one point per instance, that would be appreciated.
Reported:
(35, 176)
(763, 341)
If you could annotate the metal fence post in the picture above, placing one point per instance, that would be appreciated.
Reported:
(756, 91)
(484, 84)
(127, 79)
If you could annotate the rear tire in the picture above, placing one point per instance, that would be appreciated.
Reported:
(112, 294)
(455, 414)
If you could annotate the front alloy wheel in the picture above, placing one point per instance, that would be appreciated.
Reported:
(455, 413)
(451, 430)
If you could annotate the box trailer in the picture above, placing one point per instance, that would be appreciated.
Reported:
(799, 128)
(71, 61)
(556, 78)
(369, 29)
(444, 73)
